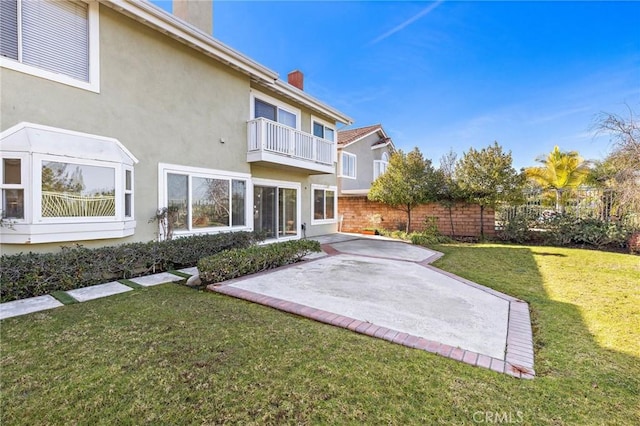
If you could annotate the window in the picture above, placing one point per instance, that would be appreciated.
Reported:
(54, 189)
(324, 204)
(323, 131)
(347, 165)
(273, 112)
(128, 193)
(77, 190)
(204, 199)
(380, 166)
(53, 39)
(12, 188)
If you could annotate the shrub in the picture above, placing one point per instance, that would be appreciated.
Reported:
(429, 235)
(559, 229)
(516, 229)
(562, 230)
(634, 243)
(235, 263)
(35, 274)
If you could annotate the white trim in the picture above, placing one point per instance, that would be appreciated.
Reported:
(93, 84)
(382, 145)
(325, 188)
(378, 129)
(354, 192)
(203, 171)
(39, 142)
(253, 94)
(341, 154)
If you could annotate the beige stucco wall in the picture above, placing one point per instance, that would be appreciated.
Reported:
(162, 100)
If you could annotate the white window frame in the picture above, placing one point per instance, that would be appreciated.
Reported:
(33, 144)
(93, 84)
(118, 174)
(25, 171)
(253, 94)
(327, 125)
(352, 158)
(164, 169)
(128, 191)
(324, 188)
(380, 166)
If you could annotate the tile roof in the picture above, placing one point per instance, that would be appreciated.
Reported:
(350, 135)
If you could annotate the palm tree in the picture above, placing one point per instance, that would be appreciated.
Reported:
(560, 171)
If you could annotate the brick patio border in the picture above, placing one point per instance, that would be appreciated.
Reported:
(519, 356)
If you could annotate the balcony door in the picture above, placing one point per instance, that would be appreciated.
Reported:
(276, 211)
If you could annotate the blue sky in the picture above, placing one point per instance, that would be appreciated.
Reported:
(454, 74)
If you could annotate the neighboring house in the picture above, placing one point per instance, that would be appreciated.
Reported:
(113, 109)
(363, 155)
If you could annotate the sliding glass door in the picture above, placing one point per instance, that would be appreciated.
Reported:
(275, 211)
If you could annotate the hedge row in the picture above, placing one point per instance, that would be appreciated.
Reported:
(35, 274)
(236, 263)
(563, 230)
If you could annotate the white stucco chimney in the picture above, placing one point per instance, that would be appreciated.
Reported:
(198, 13)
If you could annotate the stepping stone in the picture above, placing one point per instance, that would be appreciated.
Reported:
(98, 291)
(191, 271)
(151, 280)
(27, 306)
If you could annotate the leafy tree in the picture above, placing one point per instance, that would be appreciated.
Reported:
(560, 171)
(621, 168)
(410, 180)
(449, 193)
(487, 177)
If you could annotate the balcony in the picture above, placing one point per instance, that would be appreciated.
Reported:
(276, 145)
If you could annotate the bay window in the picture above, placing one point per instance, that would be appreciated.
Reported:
(54, 188)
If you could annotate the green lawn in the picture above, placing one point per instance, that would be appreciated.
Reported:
(172, 355)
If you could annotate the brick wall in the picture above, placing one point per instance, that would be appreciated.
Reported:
(356, 213)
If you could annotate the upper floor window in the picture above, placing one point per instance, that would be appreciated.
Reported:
(323, 131)
(274, 110)
(347, 165)
(380, 166)
(53, 39)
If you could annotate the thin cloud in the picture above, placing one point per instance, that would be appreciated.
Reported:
(408, 22)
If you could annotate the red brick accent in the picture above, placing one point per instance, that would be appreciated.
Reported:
(356, 212)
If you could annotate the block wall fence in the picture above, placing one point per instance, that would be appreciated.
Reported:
(356, 213)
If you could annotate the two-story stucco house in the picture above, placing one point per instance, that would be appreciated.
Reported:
(363, 155)
(112, 109)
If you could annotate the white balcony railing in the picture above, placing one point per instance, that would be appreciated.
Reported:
(268, 136)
